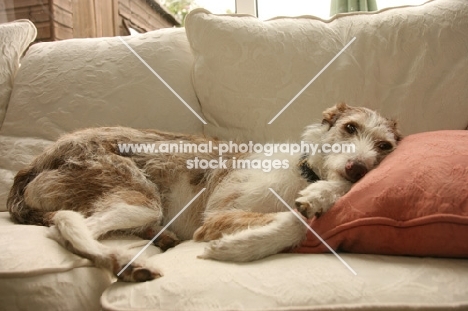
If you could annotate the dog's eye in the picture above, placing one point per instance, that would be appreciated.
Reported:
(350, 128)
(384, 145)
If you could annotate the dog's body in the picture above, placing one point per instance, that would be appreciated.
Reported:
(85, 187)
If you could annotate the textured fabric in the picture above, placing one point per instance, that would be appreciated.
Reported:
(414, 203)
(76, 289)
(36, 273)
(66, 85)
(295, 282)
(15, 37)
(409, 63)
(17, 240)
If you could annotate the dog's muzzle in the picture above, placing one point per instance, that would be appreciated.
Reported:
(355, 170)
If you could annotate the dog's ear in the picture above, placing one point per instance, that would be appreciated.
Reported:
(394, 126)
(332, 114)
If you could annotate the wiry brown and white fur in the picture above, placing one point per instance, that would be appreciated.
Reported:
(85, 188)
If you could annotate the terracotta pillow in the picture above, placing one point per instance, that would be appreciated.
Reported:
(414, 203)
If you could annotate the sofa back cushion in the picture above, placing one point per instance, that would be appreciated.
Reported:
(410, 63)
(66, 85)
(15, 38)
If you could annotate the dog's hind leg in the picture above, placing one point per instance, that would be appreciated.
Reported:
(249, 236)
(115, 213)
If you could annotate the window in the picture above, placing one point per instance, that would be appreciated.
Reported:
(217, 6)
(266, 9)
(64, 19)
(392, 3)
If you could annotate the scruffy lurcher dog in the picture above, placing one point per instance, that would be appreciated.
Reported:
(85, 188)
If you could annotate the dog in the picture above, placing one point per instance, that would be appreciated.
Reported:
(85, 187)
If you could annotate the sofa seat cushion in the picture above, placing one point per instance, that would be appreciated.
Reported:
(36, 272)
(409, 63)
(414, 203)
(294, 282)
(15, 38)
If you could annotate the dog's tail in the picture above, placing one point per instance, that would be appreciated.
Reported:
(71, 231)
(283, 233)
(52, 158)
(20, 211)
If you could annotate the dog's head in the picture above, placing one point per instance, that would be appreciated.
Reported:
(353, 140)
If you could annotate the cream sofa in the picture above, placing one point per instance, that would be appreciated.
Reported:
(236, 73)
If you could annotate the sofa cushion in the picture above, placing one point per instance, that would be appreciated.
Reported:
(65, 85)
(408, 62)
(16, 240)
(37, 273)
(294, 282)
(15, 37)
(414, 203)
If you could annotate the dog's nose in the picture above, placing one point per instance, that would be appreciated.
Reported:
(355, 170)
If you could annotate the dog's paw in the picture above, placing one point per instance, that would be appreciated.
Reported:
(320, 196)
(227, 249)
(135, 272)
(212, 249)
(139, 270)
(138, 274)
(166, 241)
(314, 202)
(307, 208)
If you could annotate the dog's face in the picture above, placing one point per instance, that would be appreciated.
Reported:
(359, 138)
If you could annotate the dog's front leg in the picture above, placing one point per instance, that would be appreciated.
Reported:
(250, 236)
(320, 196)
